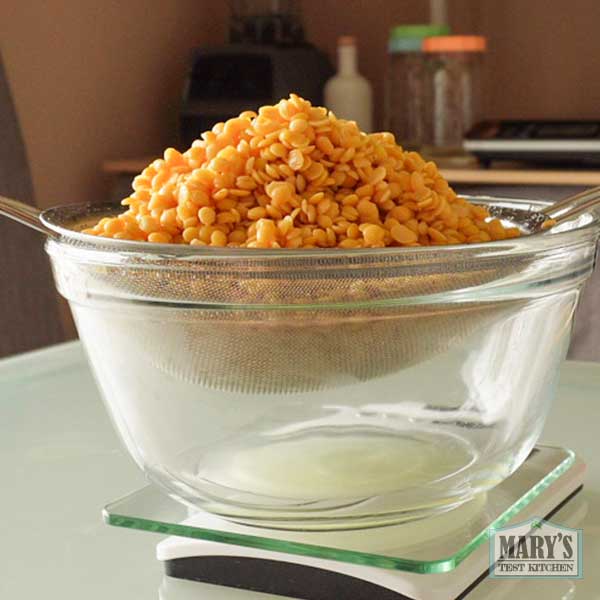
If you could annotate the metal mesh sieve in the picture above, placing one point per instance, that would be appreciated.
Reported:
(296, 321)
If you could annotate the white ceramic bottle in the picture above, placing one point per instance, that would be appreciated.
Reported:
(348, 94)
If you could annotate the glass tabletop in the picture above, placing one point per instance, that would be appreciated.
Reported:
(61, 462)
(433, 545)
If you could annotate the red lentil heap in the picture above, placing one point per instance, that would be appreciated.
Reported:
(293, 175)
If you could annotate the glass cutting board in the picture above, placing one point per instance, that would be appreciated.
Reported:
(433, 545)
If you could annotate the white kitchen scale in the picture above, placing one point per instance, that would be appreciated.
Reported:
(436, 558)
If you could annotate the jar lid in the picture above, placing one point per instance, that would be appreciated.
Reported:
(455, 43)
(409, 38)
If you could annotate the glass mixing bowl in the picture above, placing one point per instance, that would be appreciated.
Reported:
(324, 388)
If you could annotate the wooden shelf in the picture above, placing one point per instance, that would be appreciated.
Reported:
(507, 174)
(521, 176)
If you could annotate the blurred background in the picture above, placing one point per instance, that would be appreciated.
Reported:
(93, 90)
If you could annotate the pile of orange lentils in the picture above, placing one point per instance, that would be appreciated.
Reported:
(295, 176)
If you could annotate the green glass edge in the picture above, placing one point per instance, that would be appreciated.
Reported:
(516, 508)
(442, 565)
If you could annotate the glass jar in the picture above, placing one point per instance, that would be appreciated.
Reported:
(453, 71)
(404, 107)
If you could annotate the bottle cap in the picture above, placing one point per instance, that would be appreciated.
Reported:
(346, 40)
(455, 43)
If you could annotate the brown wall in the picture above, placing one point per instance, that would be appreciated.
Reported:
(98, 80)
(544, 58)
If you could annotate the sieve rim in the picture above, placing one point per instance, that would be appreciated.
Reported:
(58, 218)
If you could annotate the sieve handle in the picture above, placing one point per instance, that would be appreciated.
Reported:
(573, 204)
(24, 214)
(590, 201)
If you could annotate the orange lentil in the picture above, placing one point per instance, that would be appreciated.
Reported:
(160, 237)
(218, 238)
(373, 235)
(403, 235)
(207, 215)
(296, 160)
(189, 234)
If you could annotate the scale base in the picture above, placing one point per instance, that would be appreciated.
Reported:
(312, 577)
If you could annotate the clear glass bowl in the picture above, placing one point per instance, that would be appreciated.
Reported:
(324, 389)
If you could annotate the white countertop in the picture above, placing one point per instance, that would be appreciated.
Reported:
(61, 462)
